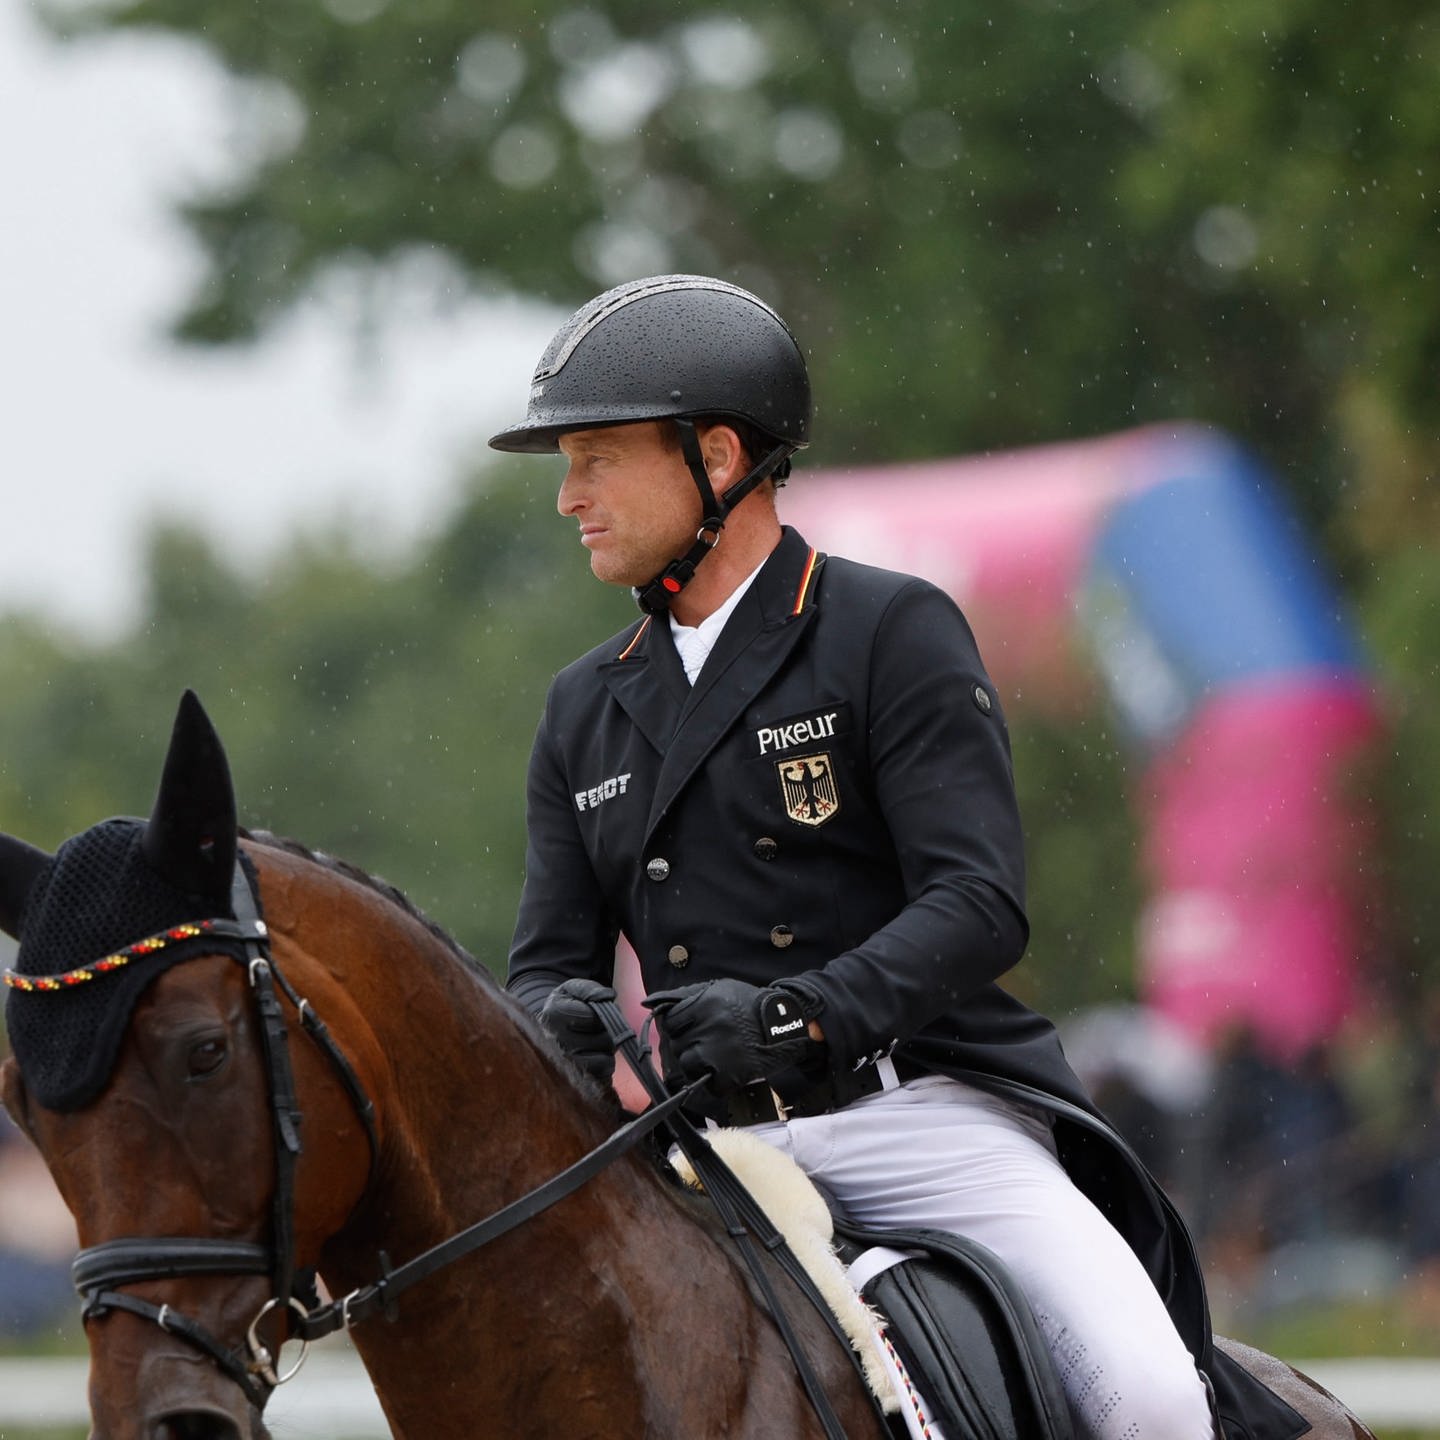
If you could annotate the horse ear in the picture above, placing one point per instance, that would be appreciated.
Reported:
(191, 837)
(20, 867)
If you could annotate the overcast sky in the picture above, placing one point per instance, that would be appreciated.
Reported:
(104, 423)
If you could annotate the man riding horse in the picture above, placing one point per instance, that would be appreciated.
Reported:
(789, 786)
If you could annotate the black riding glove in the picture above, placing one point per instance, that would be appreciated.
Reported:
(569, 1015)
(734, 1032)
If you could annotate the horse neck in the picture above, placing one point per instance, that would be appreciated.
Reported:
(470, 1101)
(479, 1109)
(610, 1314)
(475, 1111)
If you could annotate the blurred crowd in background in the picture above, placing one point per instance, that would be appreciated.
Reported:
(1315, 1181)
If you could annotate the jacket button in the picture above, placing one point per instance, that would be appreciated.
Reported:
(658, 868)
(782, 936)
(983, 702)
(766, 848)
(678, 956)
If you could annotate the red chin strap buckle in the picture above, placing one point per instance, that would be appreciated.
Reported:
(655, 597)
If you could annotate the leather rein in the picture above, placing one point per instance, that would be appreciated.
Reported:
(99, 1271)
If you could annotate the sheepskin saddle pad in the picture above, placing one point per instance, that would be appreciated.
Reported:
(946, 1338)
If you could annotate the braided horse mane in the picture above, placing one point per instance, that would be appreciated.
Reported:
(375, 883)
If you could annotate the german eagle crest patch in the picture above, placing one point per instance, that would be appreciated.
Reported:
(807, 786)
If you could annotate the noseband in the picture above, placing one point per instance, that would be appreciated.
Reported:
(100, 1270)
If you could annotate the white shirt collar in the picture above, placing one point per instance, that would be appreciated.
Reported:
(695, 642)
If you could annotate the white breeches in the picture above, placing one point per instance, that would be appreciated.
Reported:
(938, 1154)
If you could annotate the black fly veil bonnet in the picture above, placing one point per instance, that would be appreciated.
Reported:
(114, 908)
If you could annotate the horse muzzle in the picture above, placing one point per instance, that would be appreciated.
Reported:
(204, 1424)
(164, 1391)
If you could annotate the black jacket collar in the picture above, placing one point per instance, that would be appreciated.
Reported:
(685, 723)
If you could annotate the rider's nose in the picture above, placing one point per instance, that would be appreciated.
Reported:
(570, 497)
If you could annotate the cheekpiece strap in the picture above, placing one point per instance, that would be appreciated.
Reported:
(284, 1101)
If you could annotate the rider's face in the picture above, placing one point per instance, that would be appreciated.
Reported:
(635, 500)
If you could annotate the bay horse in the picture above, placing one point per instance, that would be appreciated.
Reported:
(218, 1135)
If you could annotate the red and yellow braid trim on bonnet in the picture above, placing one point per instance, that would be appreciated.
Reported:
(39, 984)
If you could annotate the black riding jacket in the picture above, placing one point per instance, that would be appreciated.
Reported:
(831, 801)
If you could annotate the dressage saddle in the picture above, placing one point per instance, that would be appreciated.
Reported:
(963, 1331)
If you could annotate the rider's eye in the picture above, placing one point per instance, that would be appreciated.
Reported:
(206, 1057)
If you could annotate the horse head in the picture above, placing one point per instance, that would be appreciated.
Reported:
(141, 1073)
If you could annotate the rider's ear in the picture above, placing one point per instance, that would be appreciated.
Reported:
(191, 838)
(20, 867)
(724, 456)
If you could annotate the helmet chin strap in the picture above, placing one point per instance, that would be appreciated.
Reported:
(655, 597)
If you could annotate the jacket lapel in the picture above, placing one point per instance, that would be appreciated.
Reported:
(765, 628)
(648, 682)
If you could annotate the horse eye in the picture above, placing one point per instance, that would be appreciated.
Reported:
(206, 1057)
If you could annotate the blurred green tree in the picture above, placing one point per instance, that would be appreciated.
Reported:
(991, 226)
(994, 226)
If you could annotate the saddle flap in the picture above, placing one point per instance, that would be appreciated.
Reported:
(966, 1332)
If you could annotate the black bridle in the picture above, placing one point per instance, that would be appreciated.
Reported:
(100, 1270)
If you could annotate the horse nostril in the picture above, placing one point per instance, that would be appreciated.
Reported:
(195, 1425)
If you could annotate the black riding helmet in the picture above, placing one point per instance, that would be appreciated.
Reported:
(667, 347)
(673, 347)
